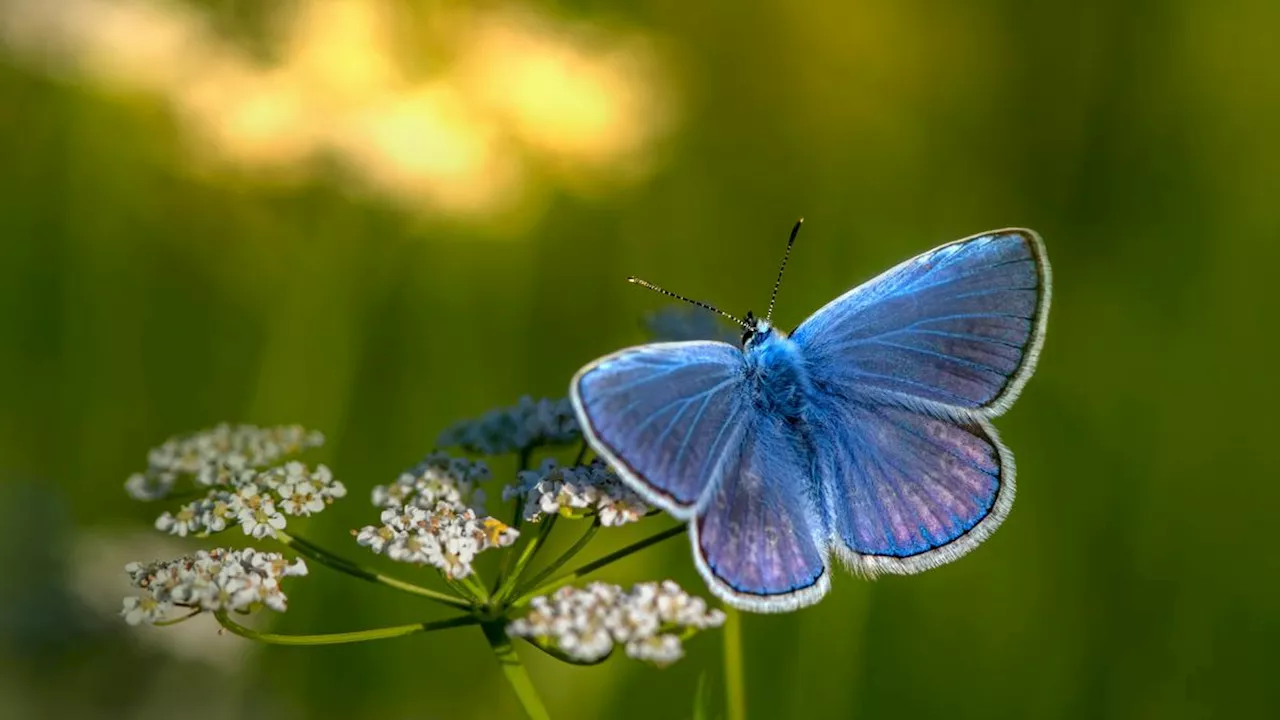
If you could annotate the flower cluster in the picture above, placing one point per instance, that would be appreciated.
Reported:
(528, 425)
(679, 323)
(578, 491)
(447, 537)
(216, 580)
(257, 501)
(585, 624)
(437, 478)
(211, 455)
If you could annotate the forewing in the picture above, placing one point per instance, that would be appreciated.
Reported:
(759, 539)
(663, 415)
(907, 491)
(959, 326)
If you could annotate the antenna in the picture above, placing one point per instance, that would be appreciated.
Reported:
(645, 284)
(790, 241)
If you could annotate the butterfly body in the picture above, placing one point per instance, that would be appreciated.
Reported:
(863, 435)
(774, 370)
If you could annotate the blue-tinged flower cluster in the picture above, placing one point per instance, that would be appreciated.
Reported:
(526, 425)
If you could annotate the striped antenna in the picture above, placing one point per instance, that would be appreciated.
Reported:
(645, 284)
(777, 284)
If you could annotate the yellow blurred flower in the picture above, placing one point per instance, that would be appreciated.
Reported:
(511, 98)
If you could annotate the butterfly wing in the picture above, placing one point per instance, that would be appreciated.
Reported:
(907, 491)
(960, 326)
(676, 421)
(664, 415)
(908, 368)
(758, 538)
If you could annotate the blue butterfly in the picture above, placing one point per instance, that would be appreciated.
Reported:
(865, 433)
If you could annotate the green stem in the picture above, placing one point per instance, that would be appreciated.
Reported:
(341, 638)
(324, 557)
(175, 621)
(735, 698)
(553, 651)
(475, 586)
(526, 556)
(514, 670)
(517, 519)
(566, 578)
(582, 453)
(566, 557)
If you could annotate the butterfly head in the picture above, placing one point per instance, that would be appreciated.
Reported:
(757, 330)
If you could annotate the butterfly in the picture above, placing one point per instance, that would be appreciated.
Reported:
(864, 434)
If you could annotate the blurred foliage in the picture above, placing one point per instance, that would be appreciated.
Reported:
(145, 292)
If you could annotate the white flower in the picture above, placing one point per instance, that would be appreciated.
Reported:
(585, 624)
(301, 491)
(150, 486)
(579, 491)
(300, 498)
(448, 537)
(226, 471)
(258, 501)
(217, 580)
(185, 521)
(375, 538)
(528, 425)
(138, 610)
(219, 509)
(236, 447)
(257, 513)
(661, 650)
(262, 522)
(221, 456)
(329, 488)
(438, 478)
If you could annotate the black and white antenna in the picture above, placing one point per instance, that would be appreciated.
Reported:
(668, 293)
(778, 283)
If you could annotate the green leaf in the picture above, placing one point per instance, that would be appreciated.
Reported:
(702, 699)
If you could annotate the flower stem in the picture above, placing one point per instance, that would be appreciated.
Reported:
(735, 698)
(341, 638)
(474, 586)
(514, 670)
(175, 621)
(552, 651)
(526, 556)
(517, 519)
(566, 557)
(566, 578)
(324, 557)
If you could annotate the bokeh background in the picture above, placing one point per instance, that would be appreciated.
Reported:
(374, 217)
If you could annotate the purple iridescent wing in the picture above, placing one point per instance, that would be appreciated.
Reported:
(664, 415)
(907, 491)
(960, 326)
(759, 539)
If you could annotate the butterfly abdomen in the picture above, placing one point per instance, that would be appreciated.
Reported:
(777, 376)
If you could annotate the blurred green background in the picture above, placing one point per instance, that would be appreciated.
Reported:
(376, 217)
